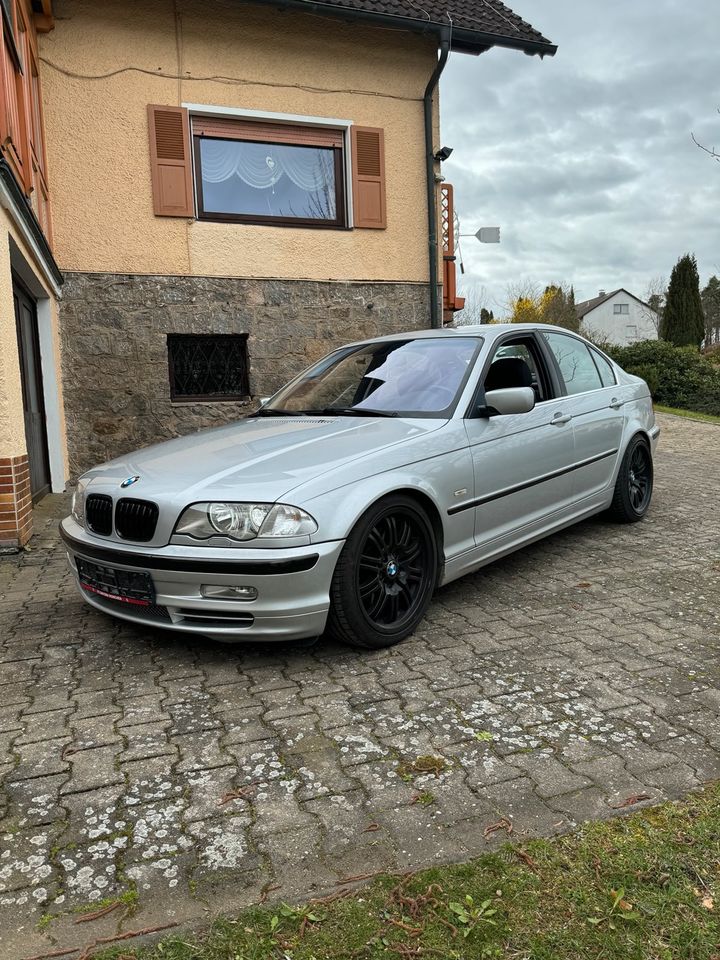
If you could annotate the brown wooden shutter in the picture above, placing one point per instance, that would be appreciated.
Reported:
(368, 177)
(170, 161)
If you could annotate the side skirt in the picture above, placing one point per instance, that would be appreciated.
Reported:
(473, 560)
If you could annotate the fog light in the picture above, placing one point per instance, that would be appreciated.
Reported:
(228, 593)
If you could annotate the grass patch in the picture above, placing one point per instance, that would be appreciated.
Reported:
(484, 736)
(642, 887)
(688, 414)
(425, 798)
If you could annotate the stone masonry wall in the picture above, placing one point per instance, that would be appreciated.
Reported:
(114, 341)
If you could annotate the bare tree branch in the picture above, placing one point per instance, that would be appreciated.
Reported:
(711, 151)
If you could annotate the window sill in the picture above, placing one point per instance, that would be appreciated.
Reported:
(250, 222)
(207, 401)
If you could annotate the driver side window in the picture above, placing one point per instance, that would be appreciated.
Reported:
(516, 364)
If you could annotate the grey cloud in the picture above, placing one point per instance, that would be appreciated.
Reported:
(586, 161)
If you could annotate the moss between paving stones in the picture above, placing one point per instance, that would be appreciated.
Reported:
(640, 887)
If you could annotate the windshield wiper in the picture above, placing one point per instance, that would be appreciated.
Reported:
(352, 412)
(274, 412)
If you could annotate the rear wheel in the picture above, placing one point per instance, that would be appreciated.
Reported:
(385, 575)
(634, 484)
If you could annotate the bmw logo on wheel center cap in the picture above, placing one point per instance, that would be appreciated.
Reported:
(129, 482)
(391, 569)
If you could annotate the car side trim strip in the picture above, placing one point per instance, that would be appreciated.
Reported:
(153, 562)
(478, 501)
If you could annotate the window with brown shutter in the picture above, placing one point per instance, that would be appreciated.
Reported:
(368, 174)
(259, 171)
(170, 162)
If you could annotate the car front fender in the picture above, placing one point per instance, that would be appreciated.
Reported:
(434, 484)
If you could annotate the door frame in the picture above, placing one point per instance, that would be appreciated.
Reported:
(46, 311)
(20, 290)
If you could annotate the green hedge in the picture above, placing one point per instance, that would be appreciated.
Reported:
(676, 376)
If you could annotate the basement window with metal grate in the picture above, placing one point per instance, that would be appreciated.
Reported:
(208, 367)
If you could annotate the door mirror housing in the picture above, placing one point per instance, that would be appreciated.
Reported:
(508, 401)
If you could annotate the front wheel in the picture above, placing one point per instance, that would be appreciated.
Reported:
(634, 484)
(385, 575)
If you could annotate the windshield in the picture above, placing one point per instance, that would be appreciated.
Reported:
(405, 378)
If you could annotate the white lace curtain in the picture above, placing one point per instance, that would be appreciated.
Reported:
(261, 165)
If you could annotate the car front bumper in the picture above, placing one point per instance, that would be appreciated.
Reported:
(293, 586)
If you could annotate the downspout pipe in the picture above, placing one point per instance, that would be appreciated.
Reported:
(435, 306)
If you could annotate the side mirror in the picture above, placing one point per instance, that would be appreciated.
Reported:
(509, 400)
(264, 400)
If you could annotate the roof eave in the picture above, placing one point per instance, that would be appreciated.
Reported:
(473, 41)
(463, 40)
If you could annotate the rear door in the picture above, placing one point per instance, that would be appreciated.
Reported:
(521, 462)
(598, 419)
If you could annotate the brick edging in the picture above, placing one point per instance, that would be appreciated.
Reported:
(15, 501)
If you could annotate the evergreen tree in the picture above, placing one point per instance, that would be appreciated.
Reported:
(711, 305)
(683, 320)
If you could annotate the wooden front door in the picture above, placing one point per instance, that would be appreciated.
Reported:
(32, 390)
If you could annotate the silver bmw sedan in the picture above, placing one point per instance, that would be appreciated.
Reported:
(387, 469)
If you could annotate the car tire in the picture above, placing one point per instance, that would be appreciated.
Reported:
(385, 575)
(634, 484)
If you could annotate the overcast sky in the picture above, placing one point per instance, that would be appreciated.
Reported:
(584, 159)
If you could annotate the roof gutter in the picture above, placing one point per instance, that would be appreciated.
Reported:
(463, 39)
(435, 312)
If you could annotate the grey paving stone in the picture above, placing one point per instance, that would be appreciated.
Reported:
(36, 802)
(550, 776)
(146, 740)
(213, 793)
(518, 802)
(143, 709)
(199, 751)
(93, 768)
(41, 759)
(674, 781)
(550, 703)
(95, 731)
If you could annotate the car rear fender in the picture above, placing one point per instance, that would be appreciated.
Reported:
(639, 421)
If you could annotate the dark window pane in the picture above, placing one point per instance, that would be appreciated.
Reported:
(208, 367)
(267, 179)
(604, 369)
(576, 365)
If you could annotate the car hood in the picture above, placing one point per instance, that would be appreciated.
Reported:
(260, 458)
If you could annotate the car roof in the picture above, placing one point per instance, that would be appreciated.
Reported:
(471, 330)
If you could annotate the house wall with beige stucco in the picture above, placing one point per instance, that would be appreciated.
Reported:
(133, 278)
(103, 63)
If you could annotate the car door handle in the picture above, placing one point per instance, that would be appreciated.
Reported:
(561, 418)
(615, 404)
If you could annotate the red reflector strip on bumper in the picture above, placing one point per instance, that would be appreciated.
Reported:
(113, 596)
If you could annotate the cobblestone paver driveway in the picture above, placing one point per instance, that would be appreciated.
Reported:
(554, 686)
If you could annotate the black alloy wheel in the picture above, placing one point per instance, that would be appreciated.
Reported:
(640, 478)
(385, 576)
(634, 484)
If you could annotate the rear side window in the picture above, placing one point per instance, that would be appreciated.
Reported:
(577, 366)
(607, 374)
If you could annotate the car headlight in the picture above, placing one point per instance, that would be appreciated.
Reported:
(77, 507)
(244, 521)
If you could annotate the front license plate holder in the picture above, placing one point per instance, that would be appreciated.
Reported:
(134, 587)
